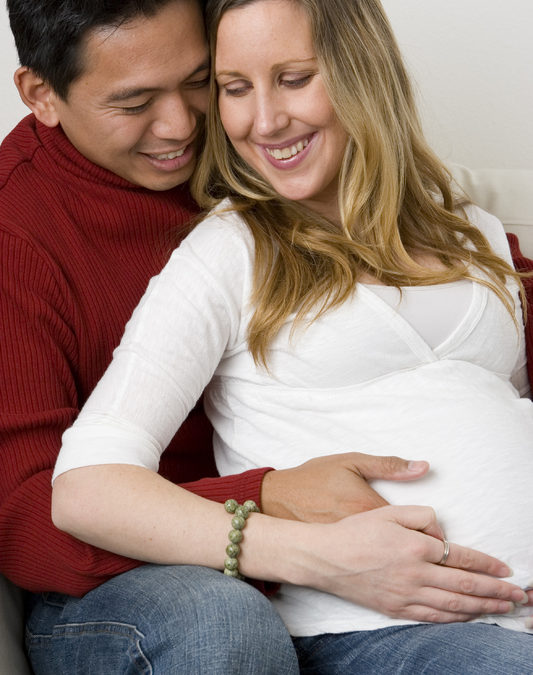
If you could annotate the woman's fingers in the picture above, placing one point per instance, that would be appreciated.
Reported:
(484, 589)
(389, 563)
(424, 519)
(429, 615)
(468, 559)
(421, 518)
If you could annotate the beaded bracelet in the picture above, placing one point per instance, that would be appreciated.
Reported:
(241, 513)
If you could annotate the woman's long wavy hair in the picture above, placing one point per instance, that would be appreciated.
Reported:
(395, 196)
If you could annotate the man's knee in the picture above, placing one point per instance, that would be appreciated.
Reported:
(221, 625)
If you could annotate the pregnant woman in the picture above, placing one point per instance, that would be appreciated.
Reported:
(338, 296)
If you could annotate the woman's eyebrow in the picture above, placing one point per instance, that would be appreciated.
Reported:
(275, 66)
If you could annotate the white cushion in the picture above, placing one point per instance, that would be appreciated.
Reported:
(507, 193)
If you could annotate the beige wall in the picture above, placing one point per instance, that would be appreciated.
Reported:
(472, 61)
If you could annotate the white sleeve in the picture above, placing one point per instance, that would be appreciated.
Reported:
(172, 345)
(494, 231)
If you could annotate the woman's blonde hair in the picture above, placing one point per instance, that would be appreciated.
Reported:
(395, 196)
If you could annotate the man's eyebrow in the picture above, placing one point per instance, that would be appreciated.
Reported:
(133, 92)
(126, 94)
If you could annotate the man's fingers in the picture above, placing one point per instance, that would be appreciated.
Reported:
(387, 468)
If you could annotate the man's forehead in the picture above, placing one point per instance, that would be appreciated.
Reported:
(136, 53)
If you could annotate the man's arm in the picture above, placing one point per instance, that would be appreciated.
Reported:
(40, 398)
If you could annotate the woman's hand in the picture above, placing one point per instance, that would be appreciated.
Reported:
(341, 482)
(386, 559)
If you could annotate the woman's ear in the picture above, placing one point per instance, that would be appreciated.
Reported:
(37, 95)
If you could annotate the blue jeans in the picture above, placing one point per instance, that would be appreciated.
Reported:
(429, 649)
(160, 619)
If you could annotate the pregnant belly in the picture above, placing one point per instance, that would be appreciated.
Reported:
(480, 448)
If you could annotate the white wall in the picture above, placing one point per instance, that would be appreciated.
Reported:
(473, 64)
(11, 108)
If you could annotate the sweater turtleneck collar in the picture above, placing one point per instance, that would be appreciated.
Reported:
(61, 151)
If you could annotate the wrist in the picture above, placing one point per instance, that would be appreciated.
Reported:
(282, 551)
(275, 487)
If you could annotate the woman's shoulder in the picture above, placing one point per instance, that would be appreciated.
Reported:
(223, 225)
(490, 226)
(220, 246)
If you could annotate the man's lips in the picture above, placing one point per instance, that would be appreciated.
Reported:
(171, 160)
(168, 155)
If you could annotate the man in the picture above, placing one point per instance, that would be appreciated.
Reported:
(92, 201)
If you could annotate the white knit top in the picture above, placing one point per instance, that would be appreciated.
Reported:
(359, 378)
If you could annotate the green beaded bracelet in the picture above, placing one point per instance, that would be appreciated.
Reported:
(240, 514)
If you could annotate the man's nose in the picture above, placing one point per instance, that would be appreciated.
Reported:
(176, 118)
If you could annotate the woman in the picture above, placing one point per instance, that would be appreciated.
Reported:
(334, 202)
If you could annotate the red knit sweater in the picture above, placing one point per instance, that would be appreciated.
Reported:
(78, 245)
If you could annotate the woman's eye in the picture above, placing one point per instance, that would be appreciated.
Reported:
(296, 82)
(236, 90)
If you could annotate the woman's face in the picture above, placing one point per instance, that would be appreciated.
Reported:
(273, 103)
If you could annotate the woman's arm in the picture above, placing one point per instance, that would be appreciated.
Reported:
(383, 559)
(119, 502)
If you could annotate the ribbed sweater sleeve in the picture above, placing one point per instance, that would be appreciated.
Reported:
(77, 247)
(523, 264)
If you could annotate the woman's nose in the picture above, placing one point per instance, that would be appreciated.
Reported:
(271, 115)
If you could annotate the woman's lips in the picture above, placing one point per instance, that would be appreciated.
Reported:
(289, 154)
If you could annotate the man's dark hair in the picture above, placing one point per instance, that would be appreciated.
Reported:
(49, 34)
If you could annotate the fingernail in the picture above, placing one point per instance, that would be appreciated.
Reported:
(520, 597)
(415, 466)
(529, 622)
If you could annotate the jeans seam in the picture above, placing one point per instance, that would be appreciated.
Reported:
(66, 631)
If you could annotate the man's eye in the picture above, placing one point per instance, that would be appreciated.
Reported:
(199, 84)
(136, 109)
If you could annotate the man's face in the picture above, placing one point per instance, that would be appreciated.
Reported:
(135, 109)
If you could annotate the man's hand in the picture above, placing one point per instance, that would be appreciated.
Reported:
(326, 489)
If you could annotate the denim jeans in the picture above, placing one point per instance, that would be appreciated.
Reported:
(429, 649)
(159, 619)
